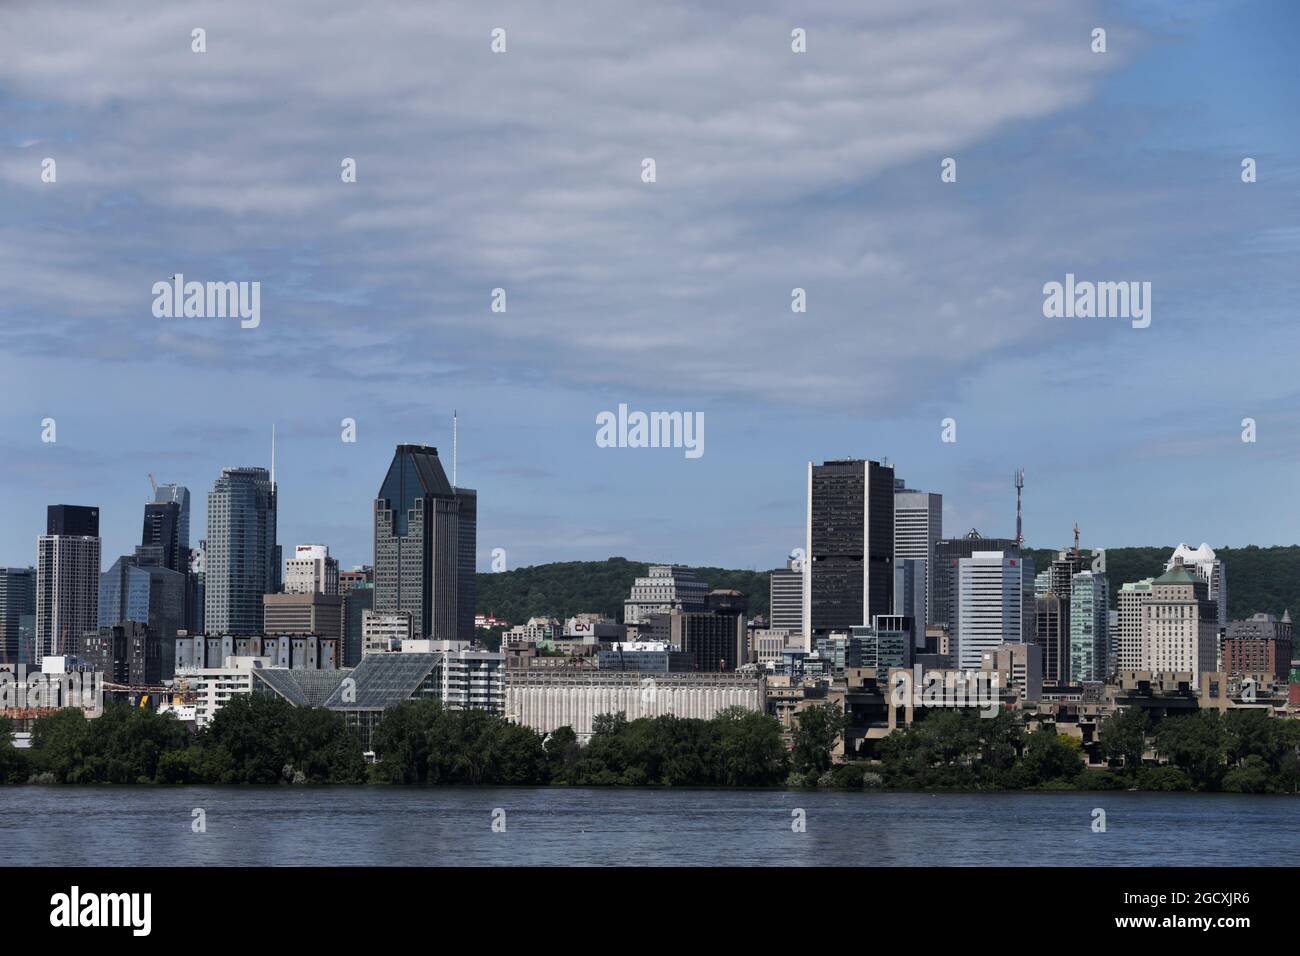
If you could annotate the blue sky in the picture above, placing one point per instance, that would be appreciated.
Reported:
(775, 170)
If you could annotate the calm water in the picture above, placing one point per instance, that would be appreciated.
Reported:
(371, 825)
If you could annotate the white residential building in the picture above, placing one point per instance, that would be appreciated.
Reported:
(1202, 562)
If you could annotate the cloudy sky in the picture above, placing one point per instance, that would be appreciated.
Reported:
(775, 170)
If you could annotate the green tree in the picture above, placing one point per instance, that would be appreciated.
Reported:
(1124, 737)
(1194, 743)
(817, 729)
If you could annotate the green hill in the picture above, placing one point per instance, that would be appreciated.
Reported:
(1259, 579)
(570, 587)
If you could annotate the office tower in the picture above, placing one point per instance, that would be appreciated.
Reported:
(17, 600)
(918, 527)
(359, 598)
(1179, 624)
(849, 569)
(311, 570)
(1259, 645)
(990, 602)
(162, 536)
(241, 550)
(1052, 635)
(1127, 639)
(785, 598)
(303, 613)
(1202, 562)
(1089, 623)
(664, 589)
(180, 496)
(943, 585)
(417, 544)
(717, 638)
(467, 557)
(67, 579)
(909, 588)
(1028, 606)
(135, 590)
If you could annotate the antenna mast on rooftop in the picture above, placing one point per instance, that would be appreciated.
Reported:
(273, 456)
(1020, 485)
(454, 446)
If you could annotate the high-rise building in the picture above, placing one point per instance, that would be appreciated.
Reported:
(241, 554)
(161, 536)
(785, 597)
(311, 570)
(1052, 635)
(1127, 639)
(909, 588)
(849, 565)
(418, 544)
(180, 495)
(1179, 626)
(17, 600)
(126, 653)
(918, 527)
(135, 590)
(1202, 562)
(359, 598)
(664, 589)
(304, 613)
(990, 601)
(1089, 624)
(943, 584)
(468, 557)
(67, 579)
(717, 638)
(382, 633)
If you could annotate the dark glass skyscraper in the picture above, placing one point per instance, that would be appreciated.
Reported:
(850, 545)
(17, 600)
(418, 544)
(162, 531)
(467, 556)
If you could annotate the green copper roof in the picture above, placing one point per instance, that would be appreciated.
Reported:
(1178, 574)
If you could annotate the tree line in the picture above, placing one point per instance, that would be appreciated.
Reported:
(261, 740)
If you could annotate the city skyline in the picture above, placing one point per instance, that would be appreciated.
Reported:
(522, 172)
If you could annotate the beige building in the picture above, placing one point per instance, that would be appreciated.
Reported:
(1179, 626)
(384, 632)
(1128, 637)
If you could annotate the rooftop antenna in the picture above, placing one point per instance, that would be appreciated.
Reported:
(273, 456)
(454, 448)
(1020, 484)
(1076, 541)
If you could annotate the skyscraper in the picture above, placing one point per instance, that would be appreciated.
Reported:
(241, 551)
(849, 566)
(1179, 624)
(1089, 626)
(467, 557)
(67, 579)
(180, 496)
(1203, 563)
(1127, 641)
(943, 577)
(162, 534)
(990, 589)
(418, 544)
(17, 600)
(137, 590)
(918, 527)
(785, 598)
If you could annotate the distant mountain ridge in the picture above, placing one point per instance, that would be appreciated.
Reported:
(1259, 579)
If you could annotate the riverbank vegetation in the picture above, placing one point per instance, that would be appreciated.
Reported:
(257, 740)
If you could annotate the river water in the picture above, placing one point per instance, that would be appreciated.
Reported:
(344, 826)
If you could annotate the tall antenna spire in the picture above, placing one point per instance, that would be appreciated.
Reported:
(273, 456)
(454, 448)
(1020, 484)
